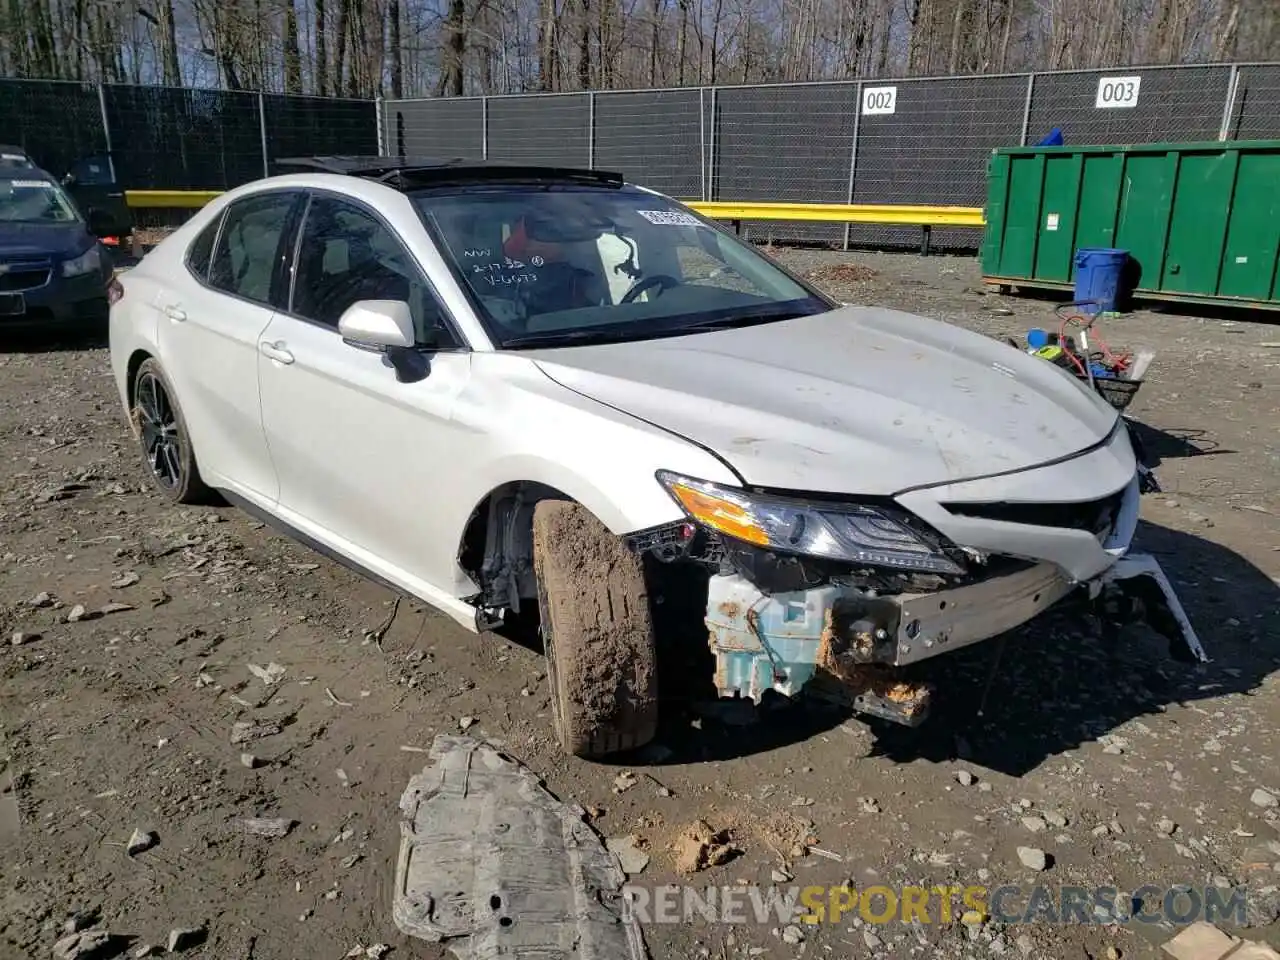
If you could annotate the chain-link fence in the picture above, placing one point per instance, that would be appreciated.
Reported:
(174, 138)
(924, 141)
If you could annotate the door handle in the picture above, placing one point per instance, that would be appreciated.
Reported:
(175, 313)
(276, 351)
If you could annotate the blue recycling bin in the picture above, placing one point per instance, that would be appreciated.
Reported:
(1099, 275)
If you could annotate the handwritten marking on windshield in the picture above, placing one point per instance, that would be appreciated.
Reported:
(507, 279)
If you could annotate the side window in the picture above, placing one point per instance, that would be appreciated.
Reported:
(247, 250)
(345, 255)
(201, 248)
(93, 172)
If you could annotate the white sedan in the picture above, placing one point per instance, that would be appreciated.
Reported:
(498, 388)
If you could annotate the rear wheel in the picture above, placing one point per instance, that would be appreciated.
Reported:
(163, 438)
(597, 631)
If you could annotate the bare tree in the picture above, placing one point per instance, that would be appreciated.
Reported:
(458, 47)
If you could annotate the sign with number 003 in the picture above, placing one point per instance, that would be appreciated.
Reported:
(1118, 91)
(880, 100)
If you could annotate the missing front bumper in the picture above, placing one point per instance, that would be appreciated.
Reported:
(835, 640)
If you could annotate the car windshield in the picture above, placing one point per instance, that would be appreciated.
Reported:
(33, 200)
(561, 265)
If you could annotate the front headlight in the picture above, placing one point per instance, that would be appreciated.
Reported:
(840, 531)
(87, 262)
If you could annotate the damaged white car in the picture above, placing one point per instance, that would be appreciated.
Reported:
(503, 388)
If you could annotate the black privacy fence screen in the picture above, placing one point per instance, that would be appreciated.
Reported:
(917, 140)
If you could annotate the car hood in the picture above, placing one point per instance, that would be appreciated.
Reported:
(60, 240)
(858, 400)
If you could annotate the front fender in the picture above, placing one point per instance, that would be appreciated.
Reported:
(543, 433)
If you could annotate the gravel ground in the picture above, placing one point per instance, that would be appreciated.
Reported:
(1120, 765)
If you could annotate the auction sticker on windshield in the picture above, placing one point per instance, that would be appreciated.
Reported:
(670, 218)
(32, 184)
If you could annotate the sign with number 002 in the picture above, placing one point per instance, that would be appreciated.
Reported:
(880, 100)
(1118, 91)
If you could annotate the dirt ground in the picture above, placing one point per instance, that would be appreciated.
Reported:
(1124, 767)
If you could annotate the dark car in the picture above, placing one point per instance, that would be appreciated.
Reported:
(14, 158)
(92, 183)
(54, 269)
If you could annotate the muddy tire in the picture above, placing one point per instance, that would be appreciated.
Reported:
(162, 436)
(597, 631)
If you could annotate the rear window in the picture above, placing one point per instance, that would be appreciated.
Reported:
(245, 257)
(201, 248)
(15, 158)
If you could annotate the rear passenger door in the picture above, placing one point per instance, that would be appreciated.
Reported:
(209, 332)
(362, 457)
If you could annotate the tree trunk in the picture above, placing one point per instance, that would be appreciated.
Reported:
(549, 47)
(915, 37)
(654, 42)
(958, 34)
(321, 84)
(358, 52)
(682, 42)
(42, 39)
(606, 50)
(714, 65)
(455, 50)
(17, 28)
(883, 30)
(584, 47)
(77, 40)
(292, 57)
(397, 52)
(340, 57)
(1002, 62)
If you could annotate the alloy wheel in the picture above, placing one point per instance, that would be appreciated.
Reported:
(158, 430)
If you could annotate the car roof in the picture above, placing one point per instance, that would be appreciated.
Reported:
(409, 173)
(15, 157)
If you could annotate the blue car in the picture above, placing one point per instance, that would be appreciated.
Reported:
(54, 269)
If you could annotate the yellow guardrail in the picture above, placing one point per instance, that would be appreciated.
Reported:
(169, 199)
(899, 214)
(889, 214)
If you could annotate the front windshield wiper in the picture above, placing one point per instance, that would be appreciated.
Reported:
(563, 337)
(741, 320)
(589, 335)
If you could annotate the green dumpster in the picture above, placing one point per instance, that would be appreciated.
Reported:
(1201, 221)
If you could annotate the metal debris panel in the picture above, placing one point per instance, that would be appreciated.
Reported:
(494, 866)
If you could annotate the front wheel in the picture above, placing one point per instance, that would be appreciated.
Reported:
(162, 435)
(597, 632)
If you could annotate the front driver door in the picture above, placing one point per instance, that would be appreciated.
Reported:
(361, 456)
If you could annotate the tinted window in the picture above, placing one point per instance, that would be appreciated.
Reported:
(93, 172)
(200, 249)
(247, 250)
(345, 255)
(33, 199)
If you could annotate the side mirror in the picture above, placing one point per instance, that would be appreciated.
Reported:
(377, 323)
(102, 224)
(68, 179)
